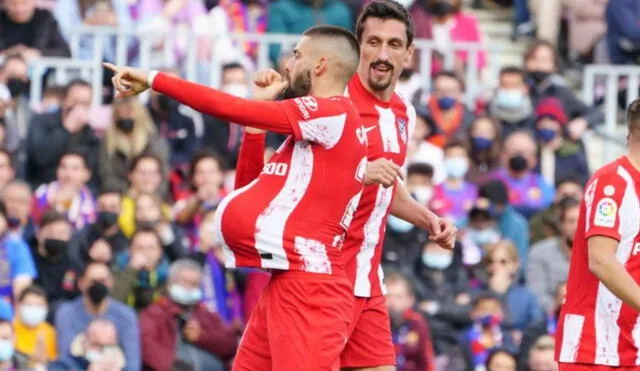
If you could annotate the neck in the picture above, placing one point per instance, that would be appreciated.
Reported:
(566, 248)
(443, 19)
(384, 95)
(95, 309)
(634, 153)
(515, 175)
(455, 183)
(327, 88)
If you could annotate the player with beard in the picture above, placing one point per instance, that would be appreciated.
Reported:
(385, 33)
(293, 217)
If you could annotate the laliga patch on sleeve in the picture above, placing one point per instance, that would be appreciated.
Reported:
(606, 211)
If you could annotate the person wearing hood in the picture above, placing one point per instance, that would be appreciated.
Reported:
(511, 104)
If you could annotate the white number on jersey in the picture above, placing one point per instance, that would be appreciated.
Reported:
(273, 168)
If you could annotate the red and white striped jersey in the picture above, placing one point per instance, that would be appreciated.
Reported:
(295, 214)
(595, 326)
(389, 126)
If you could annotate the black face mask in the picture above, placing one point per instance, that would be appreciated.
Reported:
(441, 8)
(107, 219)
(54, 248)
(538, 77)
(97, 292)
(147, 224)
(125, 125)
(518, 163)
(16, 86)
(165, 103)
(569, 242)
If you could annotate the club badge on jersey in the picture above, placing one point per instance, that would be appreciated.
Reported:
(402, 127)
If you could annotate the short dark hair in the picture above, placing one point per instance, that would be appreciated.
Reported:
(570, 177)
(350, 64)
(232, 66)
(91, 264)
(565, 204)
(633, 117)
(512, 70)
(51, 217)
(110, 188)
(544, 44)
(385, 10)
(450, 75)
(32, 290)
(76, 152)
(420, 168)
(456, 142)
(145, 156)
(73, 83)
(204, 154)
(146, 230)
(485, 295)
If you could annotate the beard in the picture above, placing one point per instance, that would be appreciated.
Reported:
(300, 86)
(384, 82)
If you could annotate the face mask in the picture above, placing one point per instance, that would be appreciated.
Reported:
(546, 135)
(6, 350)
(490, 320)
(456, 167)
(13, 223)
(518, 163)
(16, 86)
(484, 236)
(125, 125)
(33, 315)
(436, 260)
(183, 296)
(446, 103)
(441, 8)
(399, 225)
(147, 224)
(237, 90)
(51, 108)
(54, 248)
(537, 77)
(97, 292)
(107, 219)
(481, 144)
(510, 99)
(423, 194)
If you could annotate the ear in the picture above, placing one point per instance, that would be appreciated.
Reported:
(408, 58)
(322, 66)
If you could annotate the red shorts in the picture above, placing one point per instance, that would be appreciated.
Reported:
(370, 343)
(585, 367)
(300, 323)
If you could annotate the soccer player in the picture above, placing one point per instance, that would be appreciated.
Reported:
(293, 217)
(385, 33)
(599, 326)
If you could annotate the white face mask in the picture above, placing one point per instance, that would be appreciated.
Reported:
(423, 194)
(406, 3)
(237, 90)
(33, 315)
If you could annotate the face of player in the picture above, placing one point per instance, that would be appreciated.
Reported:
(297, 70)
(384, 50)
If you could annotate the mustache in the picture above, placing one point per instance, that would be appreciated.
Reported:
(383, 64)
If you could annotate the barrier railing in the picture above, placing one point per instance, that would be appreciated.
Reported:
(147, 51)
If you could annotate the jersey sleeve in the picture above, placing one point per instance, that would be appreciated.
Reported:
(602, 199)
(250, 158)
(318, 120)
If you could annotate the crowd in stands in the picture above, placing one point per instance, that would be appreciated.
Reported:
(108, 259)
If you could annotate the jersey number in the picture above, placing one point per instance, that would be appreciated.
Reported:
(279, 169)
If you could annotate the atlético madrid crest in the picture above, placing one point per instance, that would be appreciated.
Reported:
(402, 127)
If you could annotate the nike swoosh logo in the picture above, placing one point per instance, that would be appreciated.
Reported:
(366, 130)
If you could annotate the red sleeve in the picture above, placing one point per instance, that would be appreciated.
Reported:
(602, 200)
(215, 337)
(250, 159)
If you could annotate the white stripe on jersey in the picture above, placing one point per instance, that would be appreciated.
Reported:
(271, 223)
(608, 306)
(572, 333)
(230, 258)
(388, 130)
(325, 131)
(372, 234)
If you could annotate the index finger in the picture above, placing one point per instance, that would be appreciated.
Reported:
(111, 67)
(397, 169)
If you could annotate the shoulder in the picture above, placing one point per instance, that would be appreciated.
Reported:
(610, 173)
(467, 17)
(542, 248)
(121, 310)
(43, 15)
(67, 309)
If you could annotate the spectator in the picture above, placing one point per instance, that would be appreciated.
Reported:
(529, 192)
(174, 126)
(72, 14)
(9, 358)
(207, 192)
(542, 356)
(18, 200)
(7, 169)
(486, 145)
(295, 16)
(140, 272)
(50, 135)
(414, 350)
(34, 336)
(482, 229)
(442, 289)
(180, 328)
(453, 199)
(501, 265)
(56, 272)
(542, 63)
(145, 177)
(409, 81)
(30, 32)
(130, 134)
(501, 360)
(68, 194)
(511, 104)
(487, 334)
(623, 31)
(20, 270)
(549, 259)
(545, 223)
(445, 105)
(102, 240)
(74, 317)
(149, 216)
(420, 182)
(426, 144)
(587, 26)
(14, 105)
(221, 136)
(559, 154)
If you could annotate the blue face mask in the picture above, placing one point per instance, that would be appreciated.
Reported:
(481, 144)
(484, 236)
(456, 167)
(6, 350)
(510, 99)
(446, 103)
(436, 260)
(546, 135)
(398, 225)
(183, 296)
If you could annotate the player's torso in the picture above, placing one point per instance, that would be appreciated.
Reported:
(595, 326)
(295, 214)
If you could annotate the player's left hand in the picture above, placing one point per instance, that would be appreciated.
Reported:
(128, 81)
(192, 330)
(382, 171)
(268, 84)
(443, 232)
